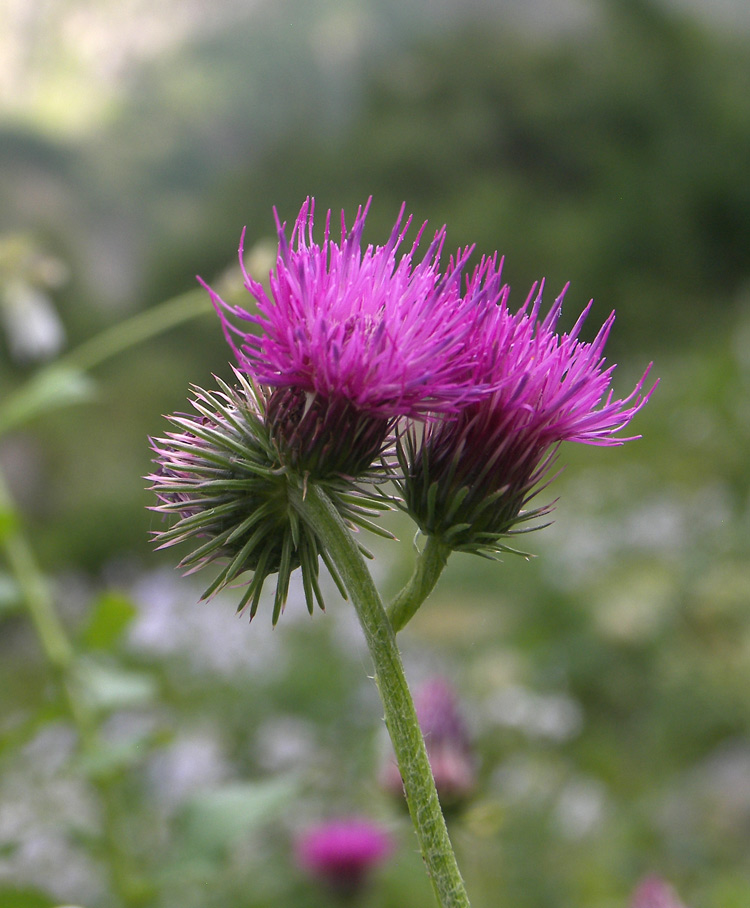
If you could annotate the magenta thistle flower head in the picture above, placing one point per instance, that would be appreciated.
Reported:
(343, 852)
(351, 339)
(654, 892)
(448, 744)
(467, 479)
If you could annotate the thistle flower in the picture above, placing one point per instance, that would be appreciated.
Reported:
(654, 892)
(449, 749)
(342, 853)
(221, 476)
(352, 339)
(467, 479)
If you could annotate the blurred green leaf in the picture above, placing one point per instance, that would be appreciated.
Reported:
(25, 898)
(8, 520)
(112, 613)
(20, 728)
(50, 389)
(107, 686)
(106, 760)
(213, 819)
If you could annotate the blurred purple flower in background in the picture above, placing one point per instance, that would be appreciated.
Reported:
(654, 892)
(343, 852)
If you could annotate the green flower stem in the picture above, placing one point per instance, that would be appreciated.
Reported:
(20, 556)
(18, 552)
(315, 507)
(430, 564)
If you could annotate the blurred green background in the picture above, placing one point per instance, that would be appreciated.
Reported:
(607, 681)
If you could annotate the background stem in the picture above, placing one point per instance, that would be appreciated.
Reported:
(60, 654)
(138, 328)
(46, 389)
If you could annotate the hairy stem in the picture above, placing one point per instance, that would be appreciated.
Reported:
(315, 507)
(430, 564)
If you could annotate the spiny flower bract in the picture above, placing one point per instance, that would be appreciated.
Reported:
(221, 477)
(467, 479)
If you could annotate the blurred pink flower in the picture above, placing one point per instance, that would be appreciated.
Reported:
(343, 852)
(654, 892)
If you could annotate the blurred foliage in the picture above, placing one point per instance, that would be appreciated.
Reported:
(606, 682)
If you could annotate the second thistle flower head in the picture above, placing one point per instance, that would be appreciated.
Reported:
(468, 479)
(350, 339)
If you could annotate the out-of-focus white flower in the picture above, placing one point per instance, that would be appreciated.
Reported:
(31, 322)
(580, 808)
(33, 327)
